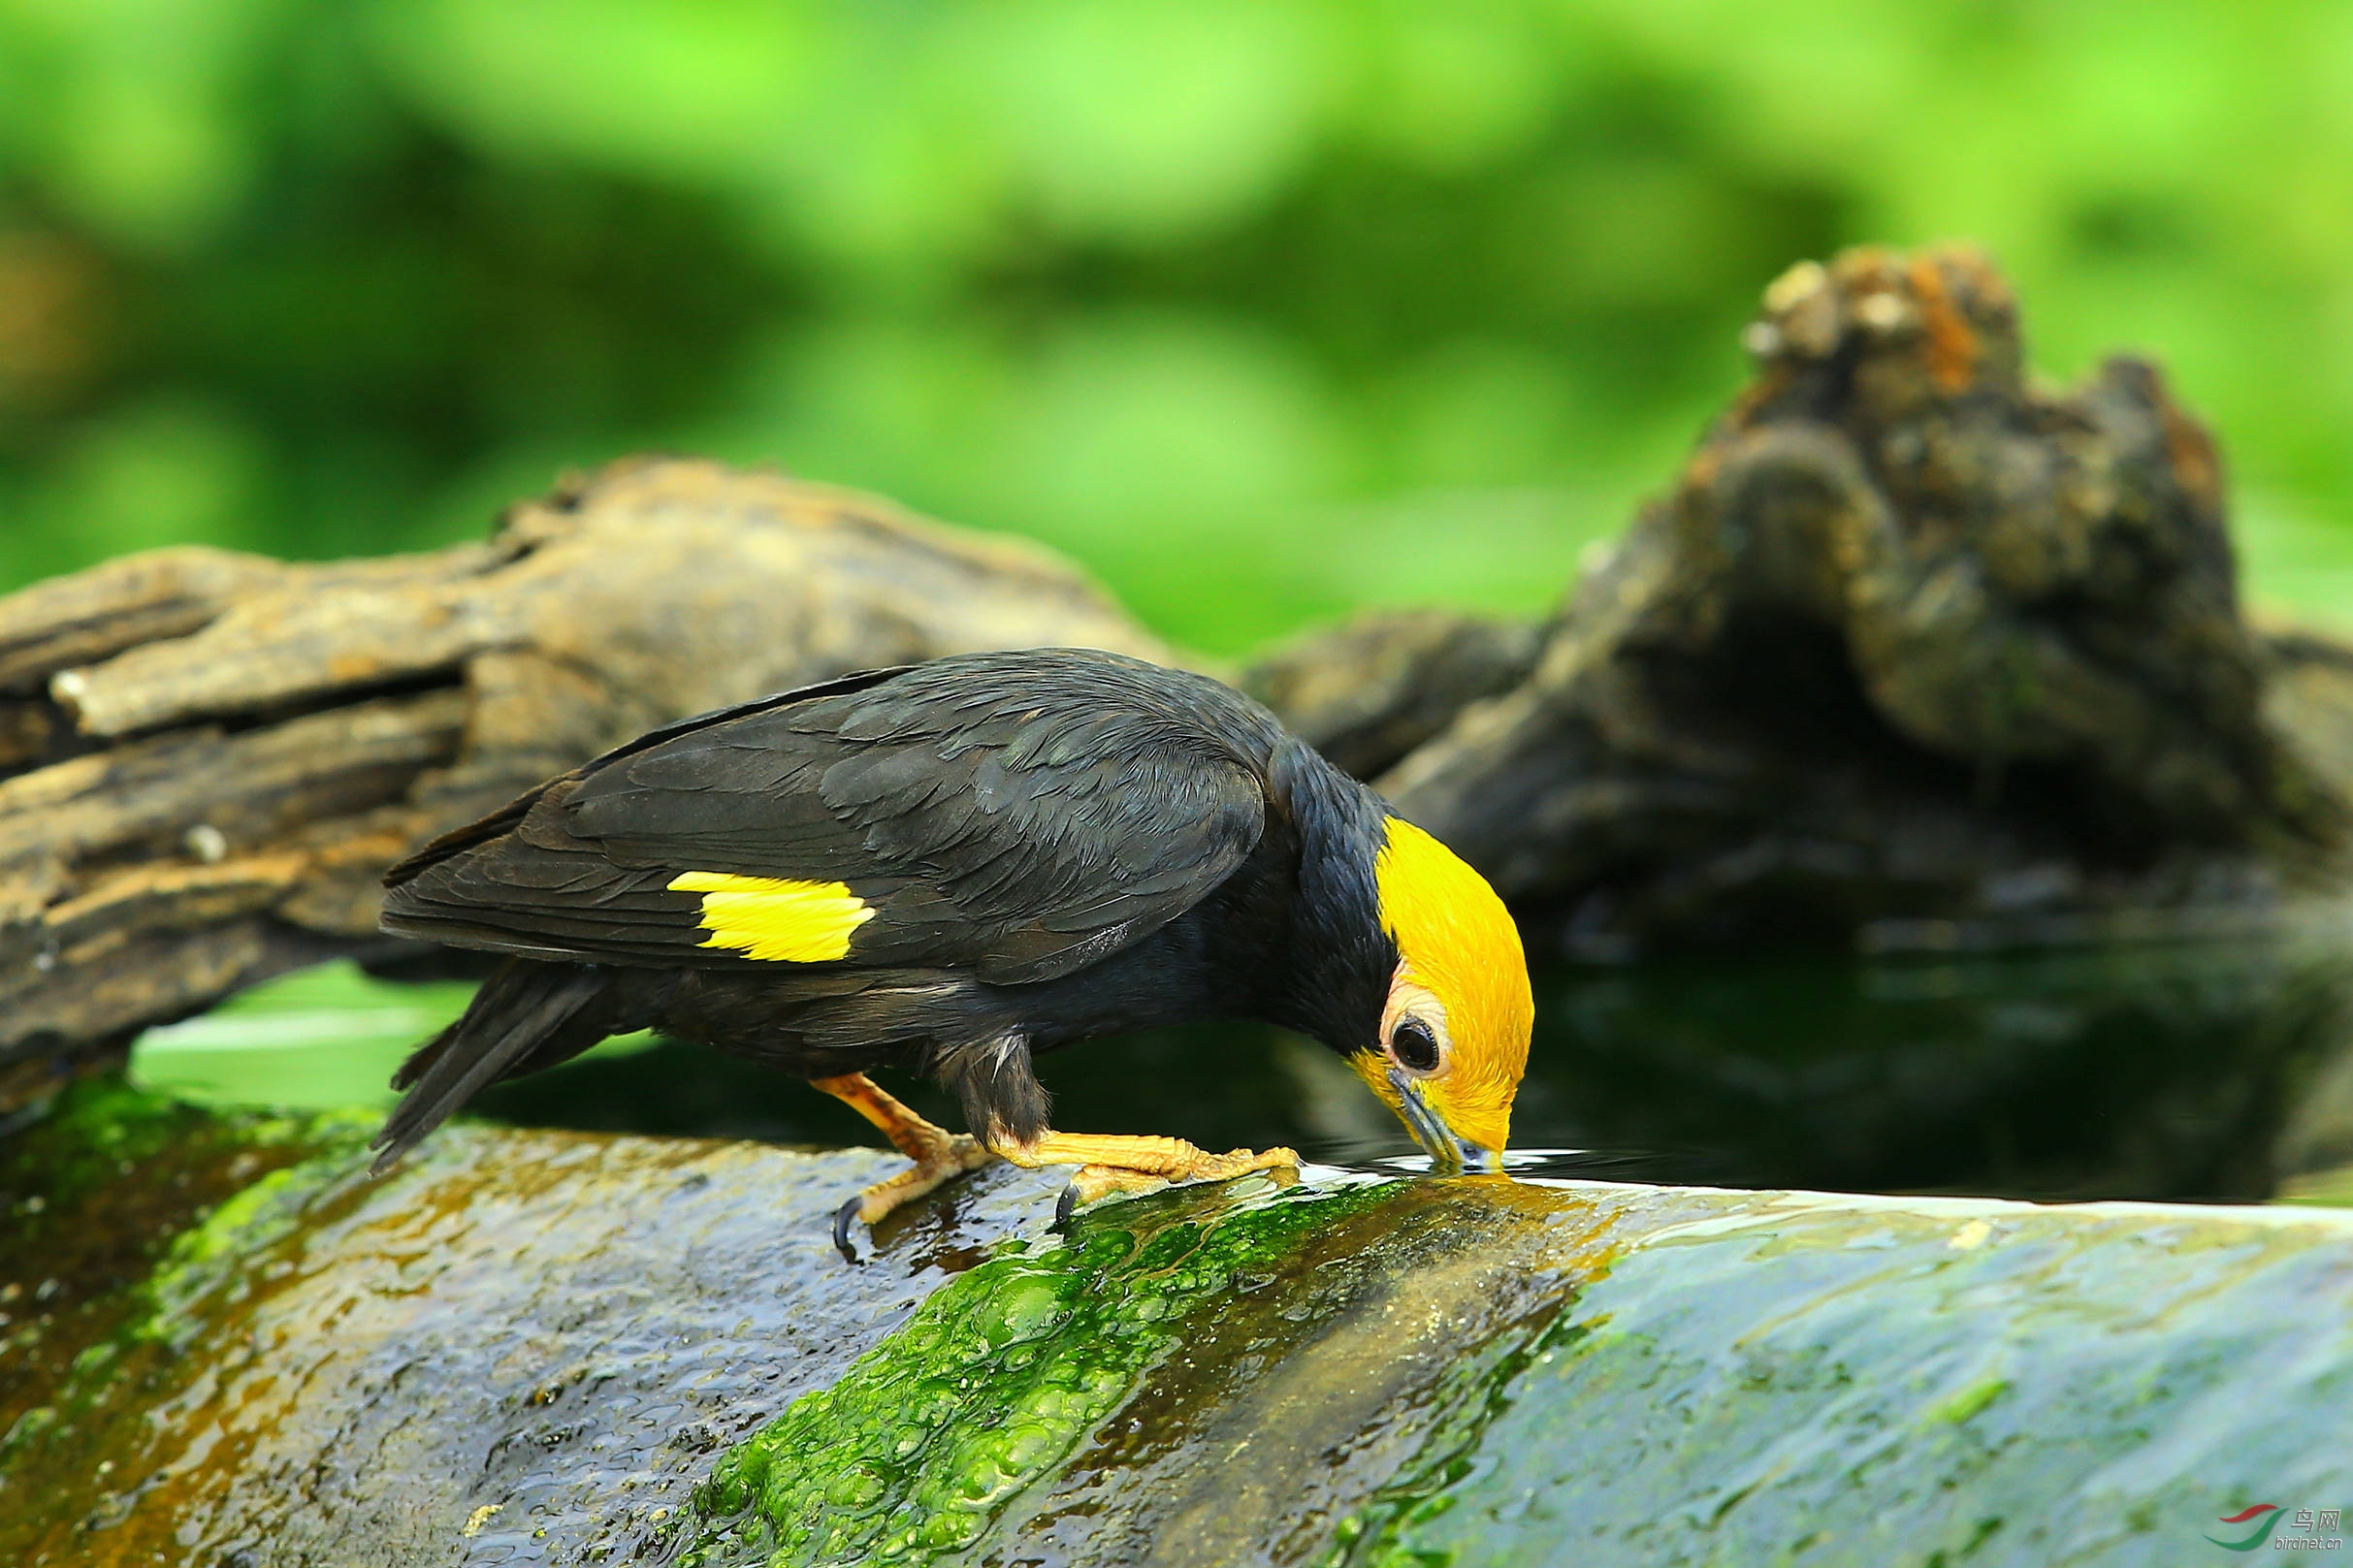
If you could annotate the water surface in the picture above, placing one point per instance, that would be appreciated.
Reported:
(2185, 1069)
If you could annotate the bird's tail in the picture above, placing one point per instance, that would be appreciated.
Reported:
(525, 1017)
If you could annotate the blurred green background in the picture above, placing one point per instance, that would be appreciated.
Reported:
(1263, 308)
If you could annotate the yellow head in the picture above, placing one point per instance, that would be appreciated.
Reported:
(1454, 1035)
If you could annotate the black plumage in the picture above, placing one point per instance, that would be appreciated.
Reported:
(1048, 846)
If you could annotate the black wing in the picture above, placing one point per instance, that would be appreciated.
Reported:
(1017, 816)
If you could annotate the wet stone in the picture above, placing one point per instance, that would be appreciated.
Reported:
(518, 1348)
(1485, 1371)
(1854, 1380)
(558, 1347)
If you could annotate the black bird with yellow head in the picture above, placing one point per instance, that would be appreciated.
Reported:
(952, 867)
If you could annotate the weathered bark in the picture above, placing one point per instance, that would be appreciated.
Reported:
(1368, 692)
(208, 759)
(1912, 647)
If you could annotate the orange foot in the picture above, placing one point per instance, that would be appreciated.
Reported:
(938, 1154)
(1112, 1163)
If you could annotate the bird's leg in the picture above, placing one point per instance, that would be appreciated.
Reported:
(938, 1154)
(1113, 1163)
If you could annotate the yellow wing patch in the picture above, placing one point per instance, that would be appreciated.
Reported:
(774, 917)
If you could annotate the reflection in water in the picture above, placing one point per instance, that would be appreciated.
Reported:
(2160, 1071)
(2207, 1069)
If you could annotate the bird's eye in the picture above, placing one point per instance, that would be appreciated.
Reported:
(1414, 1046)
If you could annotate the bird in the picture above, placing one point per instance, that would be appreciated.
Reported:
(952, 867)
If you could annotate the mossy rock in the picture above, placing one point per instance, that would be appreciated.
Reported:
(522, 1345)
(1484, 1372)
(568, 1348)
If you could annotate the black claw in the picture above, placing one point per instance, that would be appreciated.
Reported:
(841, 1218)
(1066, 1206)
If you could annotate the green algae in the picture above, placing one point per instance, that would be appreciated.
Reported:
(1475, 1393)
(1291, 1397)
(99, 1132)
(124, 1179)
(515, 1347)
(92, 1121)
(1970, 1401)
(205, 1267)
(548, 1347)
(1258, 1371)
(991, 1385)
(108, 1186)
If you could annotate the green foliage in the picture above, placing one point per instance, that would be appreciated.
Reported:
(325, 1039)
(1262, 307)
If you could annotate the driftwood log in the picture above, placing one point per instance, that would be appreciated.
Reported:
(1914, 651)
(208, 759)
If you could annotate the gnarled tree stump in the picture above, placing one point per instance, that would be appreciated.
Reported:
(1914, 649)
